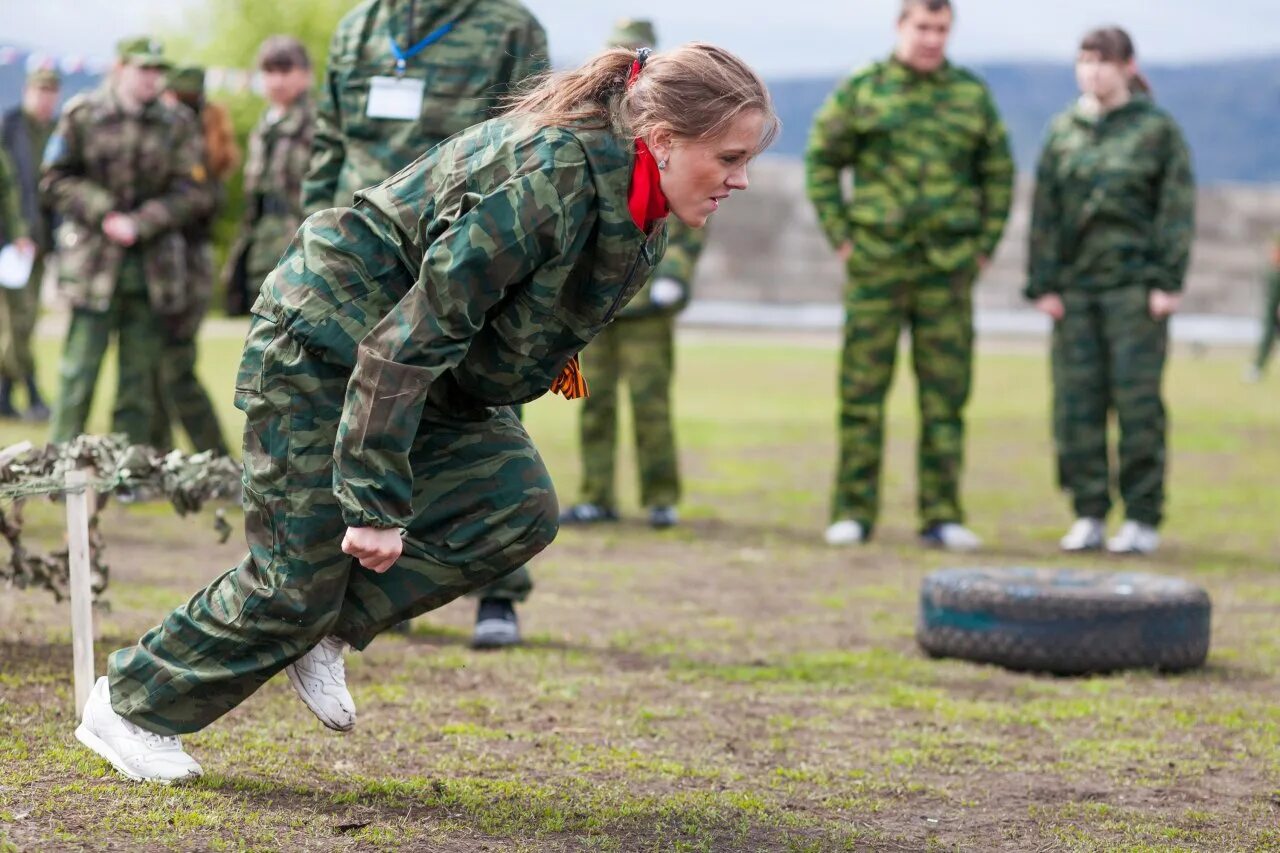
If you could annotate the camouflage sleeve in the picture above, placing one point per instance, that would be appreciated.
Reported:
(995, 175)
(684, 245)
(1175, 215)
(327, 148)
(467, 270)
(1043, 261)
(832, 148)
(186, 195)
(12, 223)
(63, 184)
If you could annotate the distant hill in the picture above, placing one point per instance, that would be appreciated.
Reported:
(1230, 111)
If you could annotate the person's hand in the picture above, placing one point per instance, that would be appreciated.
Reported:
(1163, 304)
(25, 245)
(120, 228)
(983, 263)
(1051, 304)
(665, 292)
(376, 548)
(845, 251)
(1275, 255)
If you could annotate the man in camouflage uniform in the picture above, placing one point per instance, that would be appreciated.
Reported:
(933, 180)
(279, 151)
(638, 348)
(1270, 318)
(403, 76)
(124, 171)
(25, 131)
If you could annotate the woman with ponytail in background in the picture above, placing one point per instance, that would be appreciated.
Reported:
(1111, 231)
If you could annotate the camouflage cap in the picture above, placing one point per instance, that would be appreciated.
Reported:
(633, 33)
(187, 80)
(142, 50)
(44, 78)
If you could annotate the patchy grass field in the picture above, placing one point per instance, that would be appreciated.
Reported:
(728, 685)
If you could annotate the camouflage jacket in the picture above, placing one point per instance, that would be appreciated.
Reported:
(12, 225)
(1114, 202)
(469, 279)
(279, 150)
(930, 160)
(492, 46)
(684, 245)
(102, 159)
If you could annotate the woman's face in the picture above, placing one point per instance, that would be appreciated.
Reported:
(1105, 80)
(701, 173)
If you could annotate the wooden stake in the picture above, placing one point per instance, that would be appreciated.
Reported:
(78, 498)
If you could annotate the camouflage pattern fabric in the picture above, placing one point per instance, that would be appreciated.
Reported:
(376, 384)
(491, 46)
(1114, 202)
(684, 247)
(279, 151)
(12, 225)
(1109, 354)
(937, 305)
(102, 159)
(19, 308)
(931, 165)
(933, 182)
(1270, 320)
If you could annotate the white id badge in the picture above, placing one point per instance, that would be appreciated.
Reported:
(396, 97)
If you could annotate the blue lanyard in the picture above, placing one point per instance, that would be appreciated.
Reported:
(431, 38)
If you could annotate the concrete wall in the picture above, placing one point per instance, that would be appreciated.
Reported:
(765, 246)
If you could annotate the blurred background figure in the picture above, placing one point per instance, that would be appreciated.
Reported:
(377, 114)
(1270, 318)
(180, 398)
(933, 183)
(1112, 223)
(25, 131)
(125, 173)
(279, 150)
(637, 348)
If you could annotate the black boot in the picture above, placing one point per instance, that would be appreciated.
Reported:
(37, 411)
(6, 399)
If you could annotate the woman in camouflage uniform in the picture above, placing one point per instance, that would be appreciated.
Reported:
(1110, 240)
(384, 355)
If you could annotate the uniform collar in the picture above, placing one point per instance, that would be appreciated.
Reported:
(900, 71)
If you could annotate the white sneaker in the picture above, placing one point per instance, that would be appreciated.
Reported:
(1134, 538)
(140, 755)
(1252, 374)
(952, 537)
(1085, 535)
(320, 679)
(845, 532)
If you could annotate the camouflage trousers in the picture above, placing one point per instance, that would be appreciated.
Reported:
(18, 310)
(484, 505)
(180, 398)
(1270, 320)
(936, 307)
(1108, 355)
(641, 353)
(139, 339)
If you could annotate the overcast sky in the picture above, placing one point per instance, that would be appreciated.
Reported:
(779, 37)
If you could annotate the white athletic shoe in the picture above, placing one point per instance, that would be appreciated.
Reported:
(1086, 534)
(951, 537)
(140, 755)
(845, 532)
(320, 679)
(1252, 374)
(1134, 538)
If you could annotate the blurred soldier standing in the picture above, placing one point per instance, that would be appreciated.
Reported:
(933, 181)
(179, 395)
(124, 172)
(25, 131)
(638, 347)
(1270, 318)
(403, 76)
(279, 150)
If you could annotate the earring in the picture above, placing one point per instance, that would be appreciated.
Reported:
(662, 164)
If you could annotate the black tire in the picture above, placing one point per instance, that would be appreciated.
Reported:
(1065, 621)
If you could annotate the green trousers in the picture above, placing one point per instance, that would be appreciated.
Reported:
(180, 398)
(936, 307)
(18, 311)
(139, 343)
(641, 353)
(1108, 356)
(484, 505)
(1270, 320)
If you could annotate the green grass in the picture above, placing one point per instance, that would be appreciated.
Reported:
(728, 685)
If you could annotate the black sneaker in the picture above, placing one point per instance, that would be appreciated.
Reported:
(585, 513)
(663, 516)
(496, 625)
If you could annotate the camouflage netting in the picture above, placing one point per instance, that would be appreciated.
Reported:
(129, 472)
